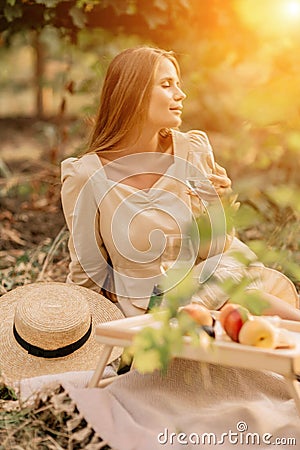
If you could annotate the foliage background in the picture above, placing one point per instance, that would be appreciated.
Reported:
(240, 64)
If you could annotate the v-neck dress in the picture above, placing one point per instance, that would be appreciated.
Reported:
(106, 217)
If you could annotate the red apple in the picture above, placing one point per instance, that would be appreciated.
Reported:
(234, 321)
(225, 311)
(198, 313)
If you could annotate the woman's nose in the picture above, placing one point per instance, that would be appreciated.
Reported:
(179, 94)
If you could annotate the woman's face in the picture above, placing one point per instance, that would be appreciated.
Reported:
(166, 97)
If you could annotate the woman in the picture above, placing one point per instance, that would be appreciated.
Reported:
(128, 191)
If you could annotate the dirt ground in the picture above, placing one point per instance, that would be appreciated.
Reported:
(33, 233)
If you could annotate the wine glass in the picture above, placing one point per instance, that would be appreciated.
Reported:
(178, 253)
(177, 262)
(212, 221)
(199, 164)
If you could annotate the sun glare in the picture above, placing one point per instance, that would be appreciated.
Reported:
(292, 8)
(270, 17)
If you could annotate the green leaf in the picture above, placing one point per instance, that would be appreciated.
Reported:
(246, 217)
(78, 17)
(123, 6)
(48, 3)
(178, 287)
(12, 12)
(154, 16)
(49, 15)
(254, 302)
(292, 269)
(284, 195)
(147, 361)
(6, 392)
(241, 257)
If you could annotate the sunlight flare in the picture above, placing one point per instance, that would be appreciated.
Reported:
(292, 8)
(270, 17)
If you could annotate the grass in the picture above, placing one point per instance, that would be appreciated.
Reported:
(50, 421)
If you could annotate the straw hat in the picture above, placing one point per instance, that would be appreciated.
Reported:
(48, 328)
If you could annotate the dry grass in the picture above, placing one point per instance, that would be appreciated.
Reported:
(50, 421)
(33, 232)
(47, 261)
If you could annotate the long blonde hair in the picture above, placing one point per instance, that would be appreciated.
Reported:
(126, 95)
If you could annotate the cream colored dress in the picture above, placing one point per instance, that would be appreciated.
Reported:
(107, 217)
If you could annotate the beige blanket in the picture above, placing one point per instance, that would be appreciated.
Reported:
(212, 406)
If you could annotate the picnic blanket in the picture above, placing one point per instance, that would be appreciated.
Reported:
(194, 405)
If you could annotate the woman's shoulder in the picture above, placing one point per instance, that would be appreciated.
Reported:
(198, 137)
(195, 138)
(79, 167)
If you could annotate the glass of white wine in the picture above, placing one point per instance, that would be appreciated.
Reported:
(178, 253)
(199, 164)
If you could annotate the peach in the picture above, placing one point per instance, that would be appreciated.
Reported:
(259, 332)
(198, 313)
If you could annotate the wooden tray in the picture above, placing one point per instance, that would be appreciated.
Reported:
(285, 362)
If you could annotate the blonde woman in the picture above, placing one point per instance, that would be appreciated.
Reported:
(128, 191)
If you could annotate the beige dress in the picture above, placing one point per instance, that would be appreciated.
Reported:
(108, 217)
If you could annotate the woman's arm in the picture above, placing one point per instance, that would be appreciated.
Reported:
(88, 255)
(212, 242)
(276, 306)
(215, 173)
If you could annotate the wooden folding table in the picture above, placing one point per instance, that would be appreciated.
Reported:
(285, 362)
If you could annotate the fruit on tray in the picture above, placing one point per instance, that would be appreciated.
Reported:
(199, 314)
(225, 311)
(209, 329)
(259, 332)
(233, 318)
(241, 326)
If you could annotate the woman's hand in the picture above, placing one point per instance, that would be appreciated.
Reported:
(221, 186)
(219, 179)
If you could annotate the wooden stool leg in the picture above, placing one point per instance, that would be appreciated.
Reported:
(294, 386)
(97, 375)
(106, 381)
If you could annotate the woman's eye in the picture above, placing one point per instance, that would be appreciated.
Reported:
(166, 84)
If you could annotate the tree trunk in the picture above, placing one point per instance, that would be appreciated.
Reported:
(39, 70)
